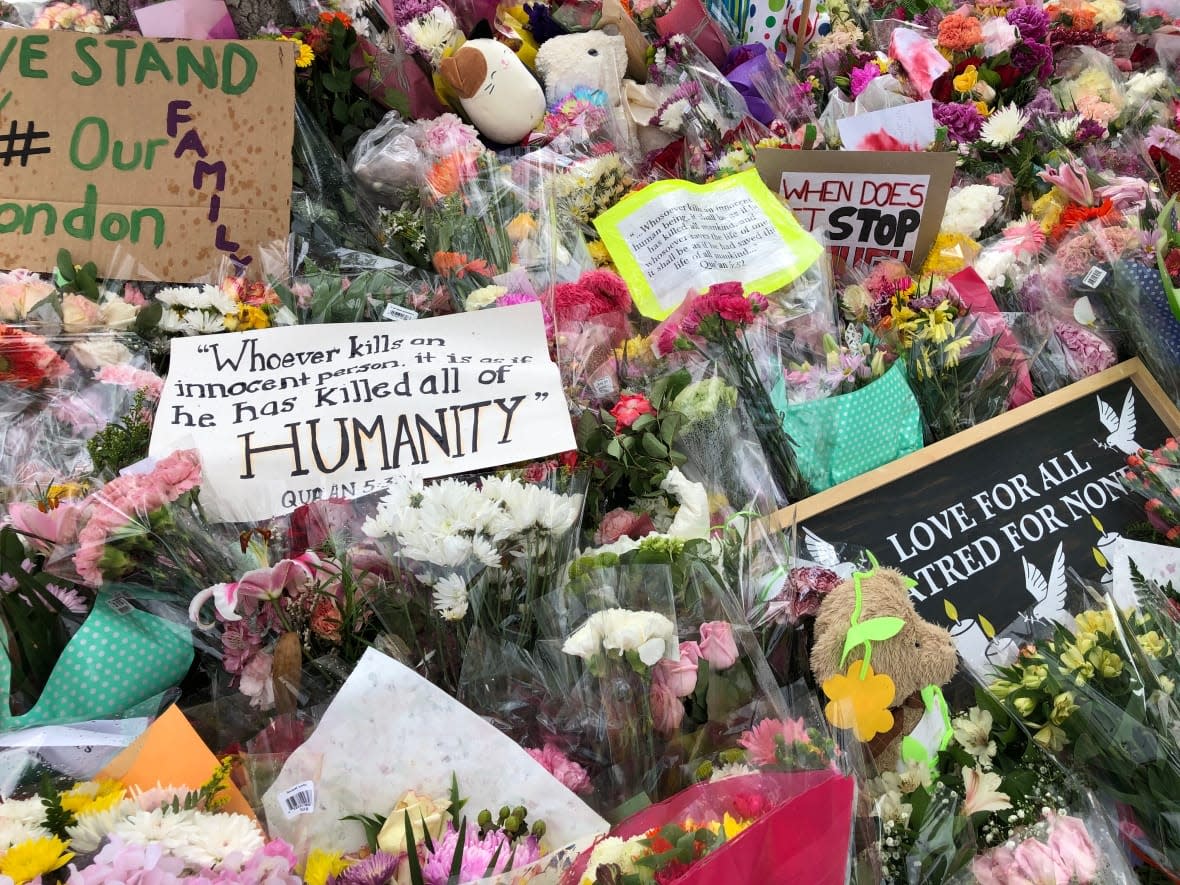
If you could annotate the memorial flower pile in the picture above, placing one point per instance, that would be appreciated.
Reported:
(522, 435)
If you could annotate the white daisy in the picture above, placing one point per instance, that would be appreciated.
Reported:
(1003, 126)
(178, 296)
(13, 832)
(200, 322)
(450, 597)
(172, 831)
(25, 811)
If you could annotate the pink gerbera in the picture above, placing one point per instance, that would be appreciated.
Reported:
(762, 742)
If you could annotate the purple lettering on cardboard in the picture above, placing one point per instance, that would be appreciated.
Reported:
(175, 117)
(202, 170)
(191, 141)
(214, 208)
(224, 244)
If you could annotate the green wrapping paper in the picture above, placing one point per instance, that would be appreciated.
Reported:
(840, 437)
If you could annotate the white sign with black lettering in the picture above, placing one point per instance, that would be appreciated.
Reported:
(283, 417)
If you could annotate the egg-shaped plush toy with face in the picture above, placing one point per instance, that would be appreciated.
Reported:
(503, 100)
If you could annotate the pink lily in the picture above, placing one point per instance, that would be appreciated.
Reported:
(225, 600)
(1071, 179)
(44, 529)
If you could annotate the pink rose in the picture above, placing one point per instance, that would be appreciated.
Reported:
(570, 773)
(998, 36)
(992, 868)
(1073, 849)
(629, 408)
(620, 522)
(717, 645)
(667, 710)
(680, 677)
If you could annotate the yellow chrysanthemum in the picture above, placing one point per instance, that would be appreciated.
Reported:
(950, 253)
(89, 797)
(732, 827)
(636, 349)
(322, 865)
(521, 227)
(27, 860)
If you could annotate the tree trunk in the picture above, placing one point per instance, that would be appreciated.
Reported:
(248, 15)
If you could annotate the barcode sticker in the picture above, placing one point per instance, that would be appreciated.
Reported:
(1094, 277)
(604, 386)
(120, 605)
(394, 312)
(297, 800)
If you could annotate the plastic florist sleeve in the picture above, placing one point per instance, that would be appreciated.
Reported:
(772, 827)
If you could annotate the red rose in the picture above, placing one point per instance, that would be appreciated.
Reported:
(628, 409)
(313, 524)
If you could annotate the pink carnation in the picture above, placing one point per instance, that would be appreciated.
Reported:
(133, 379)
(572, 775)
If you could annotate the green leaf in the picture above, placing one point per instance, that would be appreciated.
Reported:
(643, 422)
(457, 860)
(149, 317)
(412, 854)
(457, 800)
(654, 447)
(65, 264)
(872, 630)
(492, 863)
(614, 448)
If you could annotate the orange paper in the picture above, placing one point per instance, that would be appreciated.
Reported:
(171, 752)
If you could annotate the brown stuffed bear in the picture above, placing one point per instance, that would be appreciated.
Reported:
(917, 655)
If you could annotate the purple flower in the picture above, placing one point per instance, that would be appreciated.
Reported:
(1031, 21)
(1042, 104)
(861, 78)
(477, 855)
(930, 18)
(1033, 58)
(1089, 130)
(962, 121)
(376, 869)
(1086, 352)
(542, 25)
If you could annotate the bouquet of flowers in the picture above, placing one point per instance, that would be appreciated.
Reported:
(1152, 476)
(1098, 694)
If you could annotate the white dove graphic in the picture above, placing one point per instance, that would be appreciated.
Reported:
(1048, 596)
(824, 553)
(1121, 427)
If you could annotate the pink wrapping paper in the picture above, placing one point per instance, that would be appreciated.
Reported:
(805, 838)
(689, 17)
(974, 293)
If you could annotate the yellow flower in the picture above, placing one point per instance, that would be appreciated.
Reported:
(1063, 708)
(598, 253)
(1001, 688)
(322, 865)
(1072, 659)
(950, 253)
(1153, 644)
(1024, 706)
(520, 227)
(1107, 663)
(1166, 684)
(1051, 738)
(954, 349)
(1096, 621)
(635, 350)
(303, 54)
(89, 797)
(882, 65)
(1034, 676)
(861, 704)
(984, 110)
(1085, 641)
(732, 826)
(27, 860)
(1048, 208)
(966, 81)
(247, 317)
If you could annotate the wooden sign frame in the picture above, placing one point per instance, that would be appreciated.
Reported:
(1145, 384)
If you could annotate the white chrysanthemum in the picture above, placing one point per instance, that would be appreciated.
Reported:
(26, 811)
(172, 831)
(1067, 127)
(432, 32)
(284, 316)
(993, 266)
(179, 296)
(171, 320)
(616, 852)
(450, 597)
(1143, 86)
(1003, 126)
(672, 117)
(485, 552)
(13, 832)
(203, 322)
(90, 829)
(970, 208)
(218, 836)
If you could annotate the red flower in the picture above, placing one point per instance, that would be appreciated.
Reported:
(750, 805)
(320, 521)
(628, 409)
(326, 18)
(569, 459)
(1172, 263)
(620, 522)
(326, 620)
(27, 361)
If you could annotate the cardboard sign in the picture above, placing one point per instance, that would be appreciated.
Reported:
(675, 236)
(176, 154)
(991, 519)
(869, 205)
(286, 416)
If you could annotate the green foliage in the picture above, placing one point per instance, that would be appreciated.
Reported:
(123, 442)
(80, 279)
(373, 824)
(57, 819)
(210, 796)
(631, 462)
